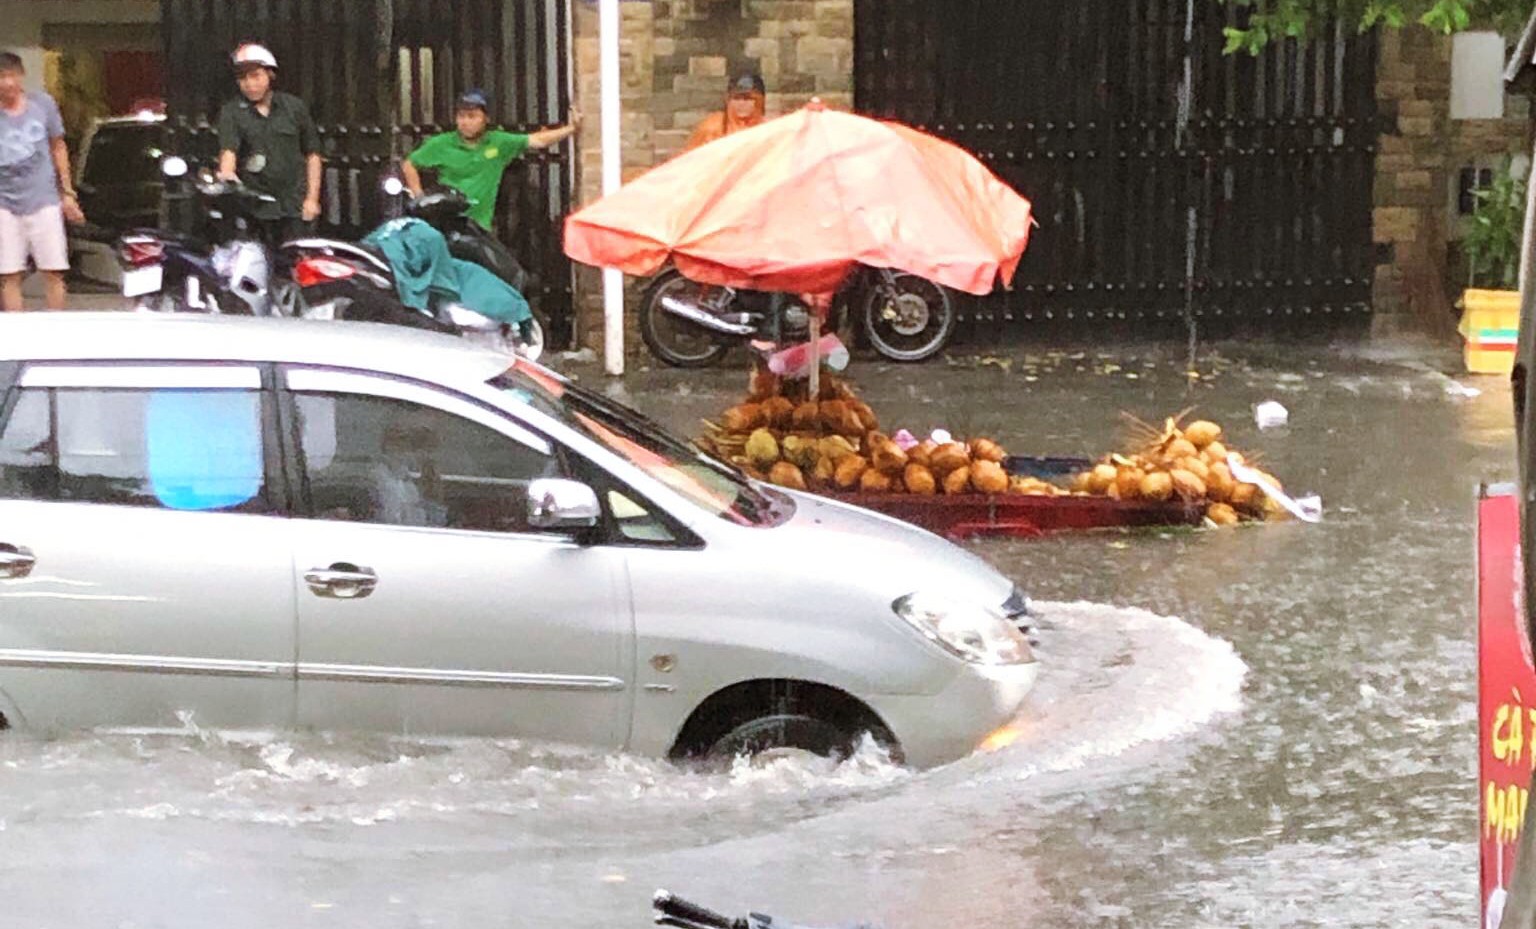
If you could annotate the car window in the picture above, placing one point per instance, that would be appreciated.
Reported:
(174, 449)
(633, 521)
(125, 154)
(684, 469)
(393, 462)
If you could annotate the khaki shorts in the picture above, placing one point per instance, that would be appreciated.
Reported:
(40, 235)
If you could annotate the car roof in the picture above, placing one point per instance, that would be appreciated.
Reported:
(181, 337)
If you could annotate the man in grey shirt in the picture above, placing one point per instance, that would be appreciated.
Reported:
(36, 190)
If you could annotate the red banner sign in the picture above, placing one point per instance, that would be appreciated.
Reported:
(1506, 694)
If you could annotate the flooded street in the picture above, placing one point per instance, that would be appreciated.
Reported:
(1269, 726)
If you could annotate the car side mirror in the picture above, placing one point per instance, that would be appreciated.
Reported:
(557, 504)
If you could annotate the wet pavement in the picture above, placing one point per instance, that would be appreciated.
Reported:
(1270, 726)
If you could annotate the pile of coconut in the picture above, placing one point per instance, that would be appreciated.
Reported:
(1189, 463)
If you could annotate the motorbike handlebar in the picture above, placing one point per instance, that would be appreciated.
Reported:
(675, 911)
(678, 913)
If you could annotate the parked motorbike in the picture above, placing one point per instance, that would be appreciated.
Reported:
(354, 281)
(691, 325)
(224, 269)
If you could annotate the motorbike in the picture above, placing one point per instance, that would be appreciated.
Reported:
(690, 325)
(224, 269)
(354, 281)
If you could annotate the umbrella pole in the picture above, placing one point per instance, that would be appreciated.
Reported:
(815, 386)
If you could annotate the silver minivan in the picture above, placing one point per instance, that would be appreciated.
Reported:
(276, 523)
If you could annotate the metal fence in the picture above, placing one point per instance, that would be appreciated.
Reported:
(1172, 182)
(380, 75)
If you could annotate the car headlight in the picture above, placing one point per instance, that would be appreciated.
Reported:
(966, 630)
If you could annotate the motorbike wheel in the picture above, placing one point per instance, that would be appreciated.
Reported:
(533, 348)
(287, 299)
(165, 301)
(907, 319)
(673, 340)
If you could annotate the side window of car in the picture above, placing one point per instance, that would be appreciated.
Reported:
(173, 449)
(393, 462)
(634, 523)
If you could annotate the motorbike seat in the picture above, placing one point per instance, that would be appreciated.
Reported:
(479, 247)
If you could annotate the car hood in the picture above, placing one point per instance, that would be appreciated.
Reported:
(880, 552)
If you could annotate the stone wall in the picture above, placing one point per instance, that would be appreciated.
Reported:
(677, 57)
(1421, 155)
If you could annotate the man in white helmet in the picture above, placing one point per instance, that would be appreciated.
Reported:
(269, 142)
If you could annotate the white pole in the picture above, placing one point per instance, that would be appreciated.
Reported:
(613, 177)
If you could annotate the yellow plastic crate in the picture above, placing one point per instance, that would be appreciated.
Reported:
(1490, 322)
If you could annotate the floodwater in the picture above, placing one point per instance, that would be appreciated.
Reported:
(1270, 726)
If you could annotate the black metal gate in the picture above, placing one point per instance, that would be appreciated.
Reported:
(379, 75)
(1172, 183)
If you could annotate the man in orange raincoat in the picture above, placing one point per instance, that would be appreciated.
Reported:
(746, 103)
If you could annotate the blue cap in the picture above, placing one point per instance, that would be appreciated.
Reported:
(474, 98)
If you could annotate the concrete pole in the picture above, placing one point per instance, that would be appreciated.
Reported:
(613, 178)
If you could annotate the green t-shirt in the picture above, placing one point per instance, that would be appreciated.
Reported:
(473, 169)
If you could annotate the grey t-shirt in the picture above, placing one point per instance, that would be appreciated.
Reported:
(27, 179)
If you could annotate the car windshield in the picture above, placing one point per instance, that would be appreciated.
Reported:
(125, 154)
(684, 469)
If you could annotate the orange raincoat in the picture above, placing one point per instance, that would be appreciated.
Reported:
(721, 124)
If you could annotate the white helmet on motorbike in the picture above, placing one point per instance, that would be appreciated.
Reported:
(251, 55)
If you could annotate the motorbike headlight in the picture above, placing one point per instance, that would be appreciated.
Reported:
(969, 631)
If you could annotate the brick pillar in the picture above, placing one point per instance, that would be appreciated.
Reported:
(1417, 170)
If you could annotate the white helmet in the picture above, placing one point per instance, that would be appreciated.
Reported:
(253, 54)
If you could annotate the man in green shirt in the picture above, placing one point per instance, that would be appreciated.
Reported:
(473, 158)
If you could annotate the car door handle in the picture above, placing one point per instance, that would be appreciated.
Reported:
(15, 561)
(341, 581)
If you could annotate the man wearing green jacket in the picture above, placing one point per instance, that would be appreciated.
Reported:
(473, 158)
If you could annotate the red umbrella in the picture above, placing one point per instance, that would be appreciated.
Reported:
(797, 203)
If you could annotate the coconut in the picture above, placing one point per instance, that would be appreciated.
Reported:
(778, 412)
(849, 470)
(958, 481)
(1202, 433)
(1080, 481)
(825, 471)
(874, 482)
(836, 447)
(1274, 510)
(922, 452)
(1220, 484)
(866, 415)
(987, 450)
(1156, 486)
(1101, 477)
(1194, 465)
(1214, 452)
(988, 477)
(762, 449)
(807, 416)
(786, 474)
(1179, 448)
(1187, 485)
(949, 457)
(919, 480)
(1221, 514)
(1128, 480)
(1245, 496)
(743, 418)
(885, 455)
